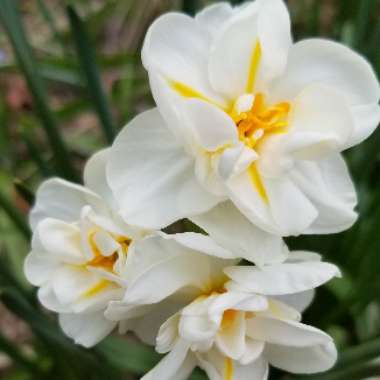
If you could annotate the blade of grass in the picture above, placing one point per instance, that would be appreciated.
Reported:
(35, 155)
(18, 357)
(10, 19)
(87, 58)
(45, 12)
(23, 191)
(14, 214)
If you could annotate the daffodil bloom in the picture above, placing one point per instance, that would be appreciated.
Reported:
(79, 252)
(246, 115)
(239, 319)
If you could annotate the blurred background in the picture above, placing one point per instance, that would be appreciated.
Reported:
(70, 78)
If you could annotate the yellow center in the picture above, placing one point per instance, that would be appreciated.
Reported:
(254, 122)
(106, 262)
(260, 120)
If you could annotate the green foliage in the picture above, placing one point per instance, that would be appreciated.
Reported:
(55, 138)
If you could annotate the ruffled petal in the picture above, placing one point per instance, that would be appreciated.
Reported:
(231, 230)
(290, 277)
(306, 360)
(60, 199)
(152, 177)
(287, 333)
(251, 49)
(331, 191)
(86, 329)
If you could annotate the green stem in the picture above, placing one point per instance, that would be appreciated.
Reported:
(363, 352)
(10, 19)
(87, 58)
(351, 373)
(13, 214)
(17, 356)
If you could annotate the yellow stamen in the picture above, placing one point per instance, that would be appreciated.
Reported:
(188, 92)
(228, 369)
(258, 183)
(96, 289)
(228, 318)
(106, 262)
(253, 67)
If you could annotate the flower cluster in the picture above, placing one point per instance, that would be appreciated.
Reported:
(246, 143)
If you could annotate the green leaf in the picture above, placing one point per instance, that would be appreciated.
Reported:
(129, 356)
(14, 214)
(10, 19)
(87, 58)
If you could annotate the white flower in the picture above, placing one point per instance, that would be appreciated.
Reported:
(79, 252)
(244, 114)
(234, 319)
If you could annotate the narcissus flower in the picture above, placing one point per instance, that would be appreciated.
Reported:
(79, 252)
(239, 319)
(246, 115)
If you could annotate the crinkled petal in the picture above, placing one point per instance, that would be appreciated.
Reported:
(86, 329)
(306, 360)
(290, 277)
(318, 61)
(321, 123)
(164, 52)
(39, 268)
(211, 17)
(152, 177)
(287, 333)
(231, 230)
(61, 241)
(178, 364)
(235, 60)
(60, 199)
(95, 176)
(331, 191)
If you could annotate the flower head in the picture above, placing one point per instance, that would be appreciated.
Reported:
(246, 115)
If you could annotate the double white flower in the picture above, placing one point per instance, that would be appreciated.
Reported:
(239, 320)
(244, 114)
(246, 142)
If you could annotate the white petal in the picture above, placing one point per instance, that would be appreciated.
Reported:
(60, 199)
(232, 51)
(39, 268)
(86, 329)
(291, 210)
(332, 192)
(321, 123)
(164, 52)
(287, 333)
(157, 186)
(290, 277)
(257, 370)
(212, 17)
(318, 61)
(275, 214)
(235, 160)
(236, 301)
(230, 339)
(61, 240)
(231, 230)
(159, 267)
(253, 351)
(202, 243)
(279, 310)
(302, 360)
(367, 118)
(174, 365)
(297, 256)
(212, 127)
(300, 301)
(49, 300)
(95, 176)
